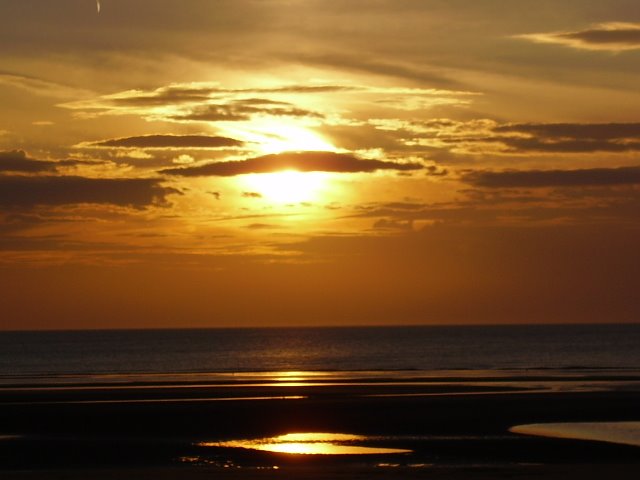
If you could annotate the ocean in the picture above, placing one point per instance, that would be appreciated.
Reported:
(90, 356)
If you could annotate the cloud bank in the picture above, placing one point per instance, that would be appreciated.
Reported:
(489, 136)
(25, 192)
(554, 178)
(16, 161)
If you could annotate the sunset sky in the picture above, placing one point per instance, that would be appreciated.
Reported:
(202, 163)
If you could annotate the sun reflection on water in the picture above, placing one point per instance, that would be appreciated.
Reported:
(309, 444)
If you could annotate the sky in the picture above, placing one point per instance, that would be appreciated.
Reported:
(238, 163)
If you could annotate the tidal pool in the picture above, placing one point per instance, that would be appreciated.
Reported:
(310, 444)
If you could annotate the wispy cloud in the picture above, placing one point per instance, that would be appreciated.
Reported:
(39, 86)
(612, 36)
(210, 102)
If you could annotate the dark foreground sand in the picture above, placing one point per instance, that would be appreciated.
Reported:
(454, 431)
(555, 472)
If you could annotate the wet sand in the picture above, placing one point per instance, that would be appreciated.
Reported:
(454, 430)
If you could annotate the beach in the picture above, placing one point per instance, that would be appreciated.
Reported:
(447, 427)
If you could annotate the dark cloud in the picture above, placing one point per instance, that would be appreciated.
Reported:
(386, 224)
(263, 226)
(592, 131)
(300, 161)
(18, 162)
(565, 146)
(170, 141)
(21, 191)
(241, 110)
(213, 113)
(251, 195)
(301, 89)
(553, 178)
(195, 94)
(614, 36)
(17, 222)
(164, 96)
(487, 136)
(436, 171)
(601, 204)
(622, 36)
(571, 137)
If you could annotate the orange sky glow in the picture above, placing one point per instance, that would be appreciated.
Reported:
(304, 162)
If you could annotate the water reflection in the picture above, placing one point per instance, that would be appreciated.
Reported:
(310, 444)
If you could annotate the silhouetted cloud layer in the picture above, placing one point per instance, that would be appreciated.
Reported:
(17, 161)
(299, 161)
(614, 36)
(21, 191)
(592, 131)
(488, 136)
(554, 178)
(170, 141)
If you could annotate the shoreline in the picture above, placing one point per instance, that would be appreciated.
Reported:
(454, 427)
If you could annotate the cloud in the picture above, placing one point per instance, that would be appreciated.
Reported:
(21, 191)
(16, 161)
(391, 225)
(168, 142)
(571, 138)
(612, 36)
(554, 178)
(264, 226)
(592, 131)
(210, 102)
(243, 110)
(300, 161)
(41, 87)
(194, 93)
(488, 136)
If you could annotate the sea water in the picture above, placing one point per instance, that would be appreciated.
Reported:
(53, 354)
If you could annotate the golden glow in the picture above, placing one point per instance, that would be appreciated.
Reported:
(276, 136)
(309, 444)
(290, 377)
(287, 187)
(318, 437)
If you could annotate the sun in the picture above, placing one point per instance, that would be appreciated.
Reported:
(271, 137)
(287, 187)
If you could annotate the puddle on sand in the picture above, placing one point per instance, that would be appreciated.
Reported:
(310, 444)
